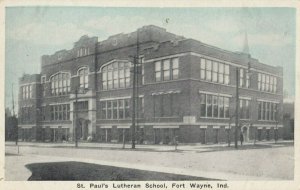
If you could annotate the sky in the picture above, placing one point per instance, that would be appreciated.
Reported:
(31, 32)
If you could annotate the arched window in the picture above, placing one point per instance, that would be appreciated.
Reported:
(60, 84)
(83, 77)
(116, 75)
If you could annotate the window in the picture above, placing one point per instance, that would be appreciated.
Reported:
(26, 114)
(43, 86)
(203, 105)
(83, 51)
(43, 113)
(202, 68)
(60, 84)
(271, 83)
(241, 77)
(157, 71)
(226, 107)
(143, 69)
(26, 92)
(116, 75)
(103, 109)
(209, 105)
(208, 70)
(259, 110)
(221, 107)
(259, 81)
(82, 106)
(247, 79)
(60, 112)
(221, 73)
(215, 106)
(175, 68)
(214, 71)
(83, 77)
(226, 78)
(263, 82)
(244, 109)
(244, 78)
(43, 79)
(167, 69)
(115, 109)
(165, 105)
(267, 83)
(267, 111)
(275, 85)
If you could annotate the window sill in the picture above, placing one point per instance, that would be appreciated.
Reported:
(267, 121)
(174, 117)
(227, 118)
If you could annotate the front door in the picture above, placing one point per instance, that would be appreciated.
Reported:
(203, 136)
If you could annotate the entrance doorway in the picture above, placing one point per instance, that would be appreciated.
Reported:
(83, 129)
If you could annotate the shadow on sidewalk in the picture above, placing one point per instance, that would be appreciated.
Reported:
(68, 171)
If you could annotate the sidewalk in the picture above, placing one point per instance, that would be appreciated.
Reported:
(209, 161)
(196, 147)
(15, 169)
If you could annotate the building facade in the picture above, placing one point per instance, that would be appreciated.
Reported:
(185, 88)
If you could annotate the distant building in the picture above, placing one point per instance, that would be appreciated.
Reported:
(186, 89)
(10, 126)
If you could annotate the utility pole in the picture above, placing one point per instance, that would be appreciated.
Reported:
(75, 119)
(237, 108)
(133, 105)
(134, 92)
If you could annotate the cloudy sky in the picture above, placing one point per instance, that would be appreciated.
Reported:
(35, 31)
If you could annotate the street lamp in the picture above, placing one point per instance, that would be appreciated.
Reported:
(78, 90)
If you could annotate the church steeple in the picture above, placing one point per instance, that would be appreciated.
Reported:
(245, 45)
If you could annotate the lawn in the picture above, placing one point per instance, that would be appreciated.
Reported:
(68, 171)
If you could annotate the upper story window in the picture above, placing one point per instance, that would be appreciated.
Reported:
(244, 78)
(43, 81)
(83, 77)
(267, 83)
(83, 51)
(214, 71)
(116, 75)
(26, 92)
(60, 84)
(142, 61)
(167, 69)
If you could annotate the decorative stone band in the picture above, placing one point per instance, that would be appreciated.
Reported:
(166, 92)
(106, 126)
(259, 126)
(26, 126)
(123, 126)
(166, 126)
(214, 93)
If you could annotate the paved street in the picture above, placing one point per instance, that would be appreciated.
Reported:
(265, 161)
